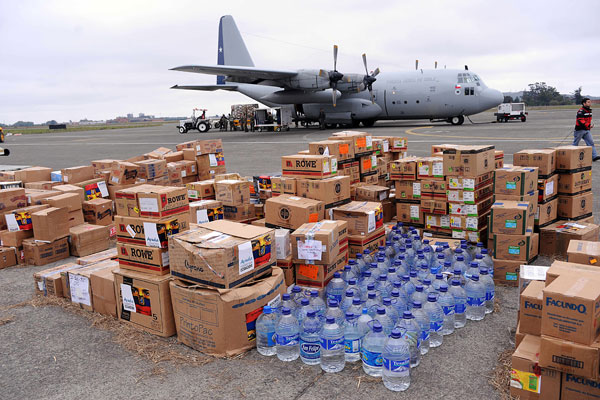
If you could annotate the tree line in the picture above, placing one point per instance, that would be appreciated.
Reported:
(542, 94)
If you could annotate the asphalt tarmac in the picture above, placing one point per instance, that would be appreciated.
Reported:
(51, 353)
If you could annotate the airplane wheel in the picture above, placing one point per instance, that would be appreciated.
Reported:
(331, 126)
(182, 130)
(457, 120)
(367, 123)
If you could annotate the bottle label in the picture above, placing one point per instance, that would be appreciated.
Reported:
(371, 359)
(336, 297)
(424, 335)
(414, 339)
(435, 326)
(400, 367)
(271, 340)
(460, 308)
(310, 350)
(287, 340)
(351, 346)
(448, 310)
(474, 301)
(489, 296)
(332, 344)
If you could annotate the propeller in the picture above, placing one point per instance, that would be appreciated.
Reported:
(334, 76)
(369, 79)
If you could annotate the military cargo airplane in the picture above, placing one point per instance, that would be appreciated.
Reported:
(349, 99)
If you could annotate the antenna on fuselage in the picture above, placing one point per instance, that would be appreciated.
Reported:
(466, 67)
(416, 65)
(436, 65)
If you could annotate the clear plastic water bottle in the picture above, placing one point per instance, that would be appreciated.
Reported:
(353, 287)
(265, 332)
(448, 252)
(427, 245)
(288, 336)
(414, 278)
(336, 288)
(422, 320)
(399, 265)
(472, 270)
(458, 253)
(367, 278)
(297, 295)
(332, 346)
(360, 262)
(334, 310)
(446, 301)
(487, 261)
(438, 281)
(382, 265)
(348, 273)
(475, 299)
(423, 271)
(436, 320)
(410, 255)
(374, 271)
(352, 336)
(367, 257)
(418, 295)
(478, 248)
(371, 287)
(384, 286)
(448, 270)
(396, 244)
(396, 362)
(460, 303)
(490, 290)
(356, 307)
(391, 233)
(408, 286)
(347, 301)
(303, 310)
(310, 339)
(437, 264)
(399, 301)
(317, 304)
(363, 322)
(389, 249)
(384, 320)
(372, 303)
(460, 264)
(371, 349)
(390, 310)
(392, 276)
(466, 254)
(429, 289)
(355, 268)
(417, 243)
(286, 301)
(412, 334)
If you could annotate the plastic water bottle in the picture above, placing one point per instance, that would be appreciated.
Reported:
(423, 322)
(487, 261)
(418, 295)
(446, 301)
(490, 290)
(385, 320)
(360, 262)
(393, 232)
(382, 265)
(472, 270)
(458, 253)
(310, 339)
(399, 301)
(478, 248)
(392, 276)
(429, 289)
(396, 244)
(303, 310)
(389, 250)
(466, 253)
(412, 334)
(367, 278)
(352, 336)
(390, 310)
(460, 303)
(408, 286)
(347, 301)
(367, 257)
(436, 320)
(371, 287)
(399, 265)
(347, 273)
(417, 243)
(317, 304)
(414, 278)
(336, 288)
(423, 271)
(437, 264)
(383, 286)
(438, 281)
(396, 362)
(332, 346)
(372, 303)
(363, 322)
(353, 287)
(427, 245)
(355, 268)
(297, 295)
(448, 270)
(475, 299)
(356, 307)
(287, 333)
(286, 301)
(374, 271)
(265, 332)
(410, 254)
(334, 311)
(448, 252)
(460, 264)
(371, 349)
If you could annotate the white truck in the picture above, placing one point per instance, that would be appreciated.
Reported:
(508, 111)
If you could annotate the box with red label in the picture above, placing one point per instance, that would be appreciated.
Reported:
(432, 189)
(320, 242)
(368, 165)
(363, 217)
(350, 169)
(340, 149)
(308, 166)
(94, 189)
(150, 260)
(362, 141)
(150, 231)
(470, 196)
(20, 219)
(161, 202)
(318, 275)
(206, 210)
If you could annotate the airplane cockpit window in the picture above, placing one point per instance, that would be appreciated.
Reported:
(459, 79)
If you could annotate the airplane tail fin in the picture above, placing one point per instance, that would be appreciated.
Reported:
(232, 49)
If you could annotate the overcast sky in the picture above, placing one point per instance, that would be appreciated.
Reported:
(68, 60)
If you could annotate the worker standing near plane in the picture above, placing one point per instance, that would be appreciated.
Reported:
(583, 126)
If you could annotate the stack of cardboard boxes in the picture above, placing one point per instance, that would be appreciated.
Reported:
(233, 192)
(208, 155)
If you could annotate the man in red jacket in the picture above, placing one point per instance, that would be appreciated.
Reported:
(583, 125)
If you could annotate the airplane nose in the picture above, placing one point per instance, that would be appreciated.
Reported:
(491, 98)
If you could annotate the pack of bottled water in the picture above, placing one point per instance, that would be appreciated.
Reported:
(385, 309)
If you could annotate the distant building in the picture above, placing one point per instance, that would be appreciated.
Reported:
(130, 115)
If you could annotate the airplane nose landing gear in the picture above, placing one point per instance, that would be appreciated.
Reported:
(458, 120)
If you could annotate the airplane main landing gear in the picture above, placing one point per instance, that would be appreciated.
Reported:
(458, 120)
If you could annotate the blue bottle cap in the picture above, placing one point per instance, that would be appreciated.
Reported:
(349, 293)
(377, 327)
(443, 288)
(358, 256)
(380, 311)
(371, 295)
(285, 296)
(296, 289)
(387, 301)
(373, 265)
(371, 286)
(405, 278)
(347, 267)
(395, 293)
(479, 244)
(352, 281)
(484, 271)
(336, 274)
(439, 276)
(413, 273)
(367, 274)
(267, 310)
(383, 277)
(380, 259)
(356, 301)
(431, 298)
(396, 333)
(484, 251)
(460, 258)
(455, 282)
(314, 293)
(311, 314)
(352, 261)
(330, 320)
(349, 315)
(332, 303)
(427, 281)
(475, 277)
(479, 256)
(419, 288)
(304, 302)
(286, 311)
(474, 264)
(416, 304)
(458, 250)
(408, 314)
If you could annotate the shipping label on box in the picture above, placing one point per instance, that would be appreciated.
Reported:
(319, 243)
(471, 210)
(547, 188)
(570, 357)
(341, 149)
(584, 252)
(469, 161)
(430, 168)
(404, 169)
(162, 202)
(206, 210)
(409, 190)
(317, 275)
(201, 190)
(470, 196)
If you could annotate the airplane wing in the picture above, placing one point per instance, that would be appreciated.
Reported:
(247, 73)
(208, 88)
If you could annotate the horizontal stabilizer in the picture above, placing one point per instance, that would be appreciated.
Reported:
(208, 88)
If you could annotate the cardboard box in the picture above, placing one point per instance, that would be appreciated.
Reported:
(466, 183)
(471, 210)
(7, 176)
(584, 252)
(49, 282)
(443, 221)
(431, 189)
(518, 335)
(579, 388)
(151, 169)
(361, 141)
(529, 381)
(559, 268)
(469, 161)
(109, 254)
(205, 254)
(555, 238)
(319, 243)
(281, 185)
(404, 169)
(132, 230)
(283, 244)
(317, 275)
(531, 198)
(103, 290)
(94, 188)
(547, 188)
(372, 193)
(40, 253)
(20, 219)
(150, 260)
(408, 190)
(370, 179)
(35, 197)
(530, 310)
(205, 211)
(12, 198)
(543, 159)
(70, 201)
(578, 206)
(463, 222)
(362, 217)
(15, 238)
(368, 165)
(308, 166)
(546, 213)
(470, 196)
(88, 239)
(570, 357)
(507, 271)
(173, 156)
(569, 158)
(575, 182)
(8, 257)
(244, 213)
(515, 180)
(570, 310)
(158, 153)
(126, 203)
(144, 301)
(291, 212)
(123, 173)
(33, 174)
(430, 168)
(102, 165)
(332, 191)
(42, 185)
(70, 189)
(50, 224)
(351, 169)
(77, 174)
(340, 149)
(371, 242)
(160, 202)
(410, 213)
(202, 146)
(434, 207)
(289, 272)
(80, 283)
(223, 322)
(232, 192)
(203, 190)
(511, 217)
(516, 247)
(98, 211)
(75, 218)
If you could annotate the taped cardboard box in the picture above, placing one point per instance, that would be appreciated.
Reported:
(361, 141)
(173, 156)
(203, 190)
(35, 196)
(70, 189)
(8, 257)
(434, 207)
(506, 271)
(317, 275)
(103, 291)
(576, 207)
(43, 185)
(570, 309)
(359, 243)
(350, 169)
(281, 185)
(546, 213)
(50, 224)
(75, 218)
(559, 268)
(80, 283)
(157, 153)
(94, 189)
(49, 282)
(152, 169)
(469, 161)
(243, 213)
(126, 203)
(291, 212)
(463, 222)
(471, 210)
(232, 192)
(33, 174)
(150, 260)
(20, 218)
(579, 388)
(223, 322)
(319, 243)
(15, 238)
(519, 336)
(102, 165)
(470, 196)
(569, 158)
(12, 198)
(88, 239)
(570, 357)
(205, 255)
(404, 169)
(480, 235)
(444, 221)
(289, 271)
(543, 159)
(150, 231)
(584, 252)
(408, 190)
(515, 180)
(202, 146)
(547, 188)
(368, 165)
(431, 189)
(555, 238)
(530, 310)
(160, 202)
(144, 301)
(340, 149)
(370, 179)
(410, 213)
(528, 381)
(468, 183)
(70, 201)
(332, 191)
(363, 217)
(205, 211)
(372, 193)
(511, 217)
(531, 198)
(41, 253)
(575, 182)
(516, 247)
(77, 174)
(123, 173)
(430, 168)
(308, 166)
(109, 254)
(7, 176)
(98, 211)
